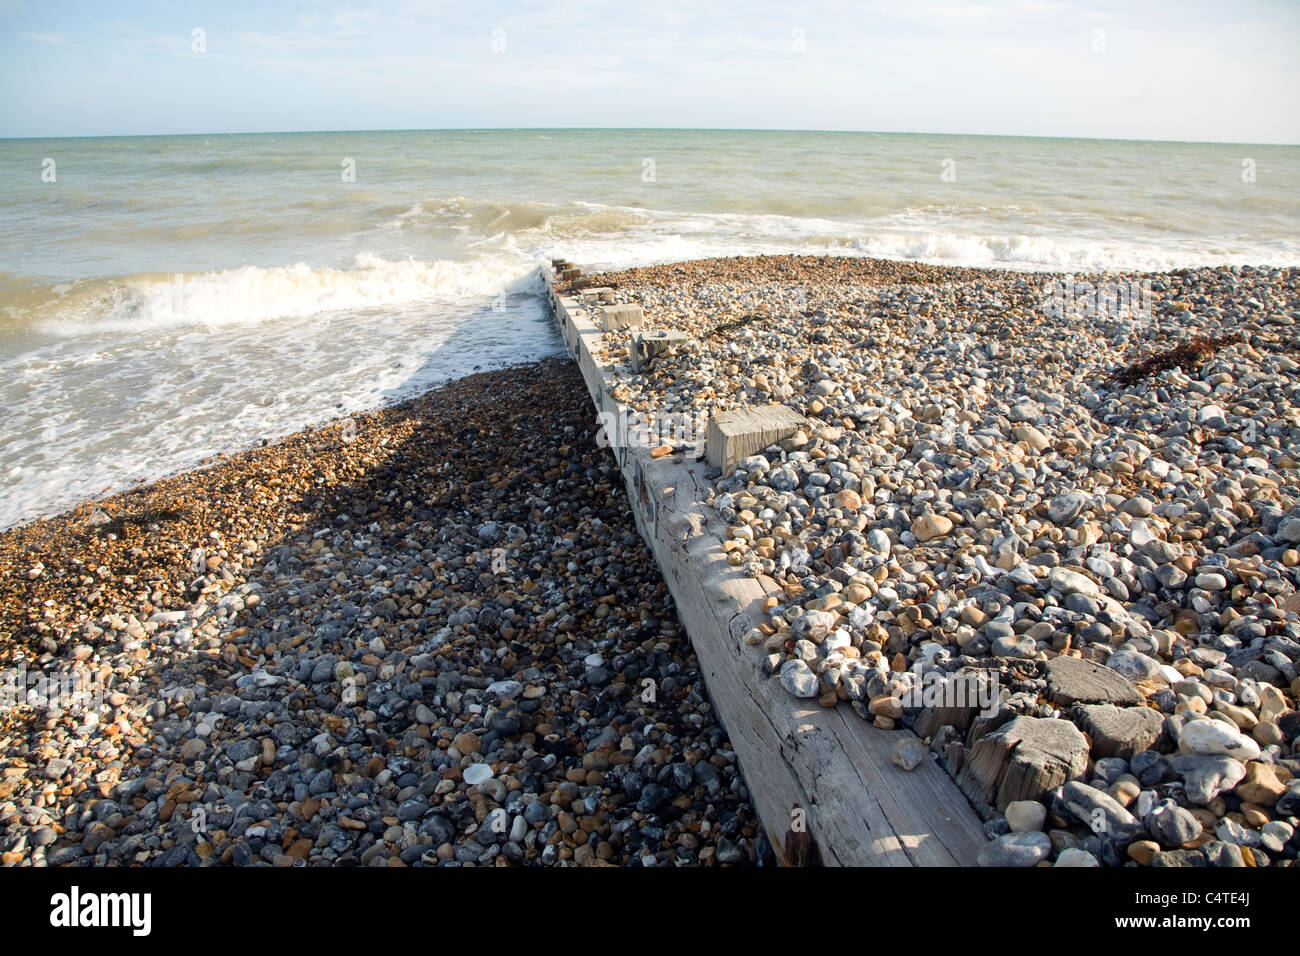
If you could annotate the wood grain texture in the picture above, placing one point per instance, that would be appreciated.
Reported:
(735, 435)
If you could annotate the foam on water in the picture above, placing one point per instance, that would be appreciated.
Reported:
(251, 294)
(172, 297)
(84, 417)
(621, 236)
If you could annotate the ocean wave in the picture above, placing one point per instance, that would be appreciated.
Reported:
(1009, 236)
(499, 245)
(254, 294)
(476, 219)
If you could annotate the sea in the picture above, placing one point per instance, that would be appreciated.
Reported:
(163, 299)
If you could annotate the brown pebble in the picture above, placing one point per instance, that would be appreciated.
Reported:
(1143, 851)
(467, 743)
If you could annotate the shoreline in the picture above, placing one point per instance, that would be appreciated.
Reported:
(216, 458)
(356, 590)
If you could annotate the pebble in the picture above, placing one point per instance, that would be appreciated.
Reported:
(798, 678)
(1096, 809)
(1261, 784)
(369, 678)
(909, 753)
(1065, 507)
(1171, 824)
(1208, 736)
(931, 526)
(1026, 816)
(1074, 857)
(1205, 777)
(1143, 852)
(1016, 849)
(467, 743)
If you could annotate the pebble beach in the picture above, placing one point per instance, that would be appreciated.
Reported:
(431, 635)
(1080, 489)
(427, 635)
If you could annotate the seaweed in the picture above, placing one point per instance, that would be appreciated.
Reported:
(1189, 354)
(732, 325)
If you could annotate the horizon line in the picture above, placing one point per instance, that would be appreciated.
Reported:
(640, 129)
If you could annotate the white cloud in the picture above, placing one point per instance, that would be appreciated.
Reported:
(1190, 70)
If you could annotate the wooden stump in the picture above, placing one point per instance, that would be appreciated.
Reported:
(596, 295)
(647, 346)
(1119, 731)
(616, 318)
(1021, 761)
(955, 702)
(736, 434)
(1072, 680)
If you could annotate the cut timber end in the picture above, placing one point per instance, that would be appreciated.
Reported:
(596, 295)
(1073, 680)
(1022, 760)
(568, 275)
(647, 346)
(615, 318)
(741, 432)
(957, 703)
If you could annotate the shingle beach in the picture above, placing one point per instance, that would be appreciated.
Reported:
(431, 634)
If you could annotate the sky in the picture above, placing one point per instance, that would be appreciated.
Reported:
(1159, 69)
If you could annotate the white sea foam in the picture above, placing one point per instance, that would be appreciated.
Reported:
(113, 368)
(91, 417)
(1025, 239)
(252, 294)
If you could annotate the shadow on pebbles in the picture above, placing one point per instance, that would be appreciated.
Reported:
(427, 634)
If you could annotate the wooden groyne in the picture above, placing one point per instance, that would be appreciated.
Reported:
(820, 778)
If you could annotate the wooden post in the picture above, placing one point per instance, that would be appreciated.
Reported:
(737, 434)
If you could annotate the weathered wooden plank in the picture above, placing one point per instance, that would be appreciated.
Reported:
(615, 318)
(647, 346)
(736, 434)
(859, 808)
